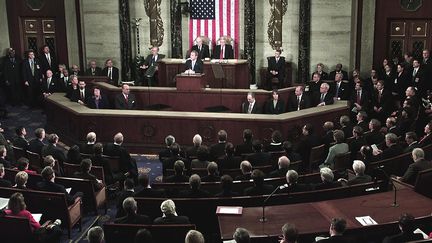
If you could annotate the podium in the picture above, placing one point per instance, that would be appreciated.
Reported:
(191, 82)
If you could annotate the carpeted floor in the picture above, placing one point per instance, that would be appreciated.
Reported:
(32, 119)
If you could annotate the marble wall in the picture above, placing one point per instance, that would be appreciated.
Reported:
(367, 44)
(72, 33)
(4, 40)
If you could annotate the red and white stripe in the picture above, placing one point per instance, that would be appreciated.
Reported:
(226, 23)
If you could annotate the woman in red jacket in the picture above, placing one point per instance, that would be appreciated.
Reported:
(17, 207)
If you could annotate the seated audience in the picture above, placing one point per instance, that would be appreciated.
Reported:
(366, 153)
(251, 106)
(246, 146)
(23, 165)
(357, 142)
(427, 138)
(283, 166)
(178, 176)
(419, 164)
(392, 127)
(143, 235)
(327, 177)
(73, 155)
(165, 153)
(374, 136)
(212, 173)
(20, 141)
(125, 100)
(407, 225)
(195, 188)
(3, 160)
(203, 156)
(293, 185)
(241, 235)
(306, 142)
(229, 161)
(275, 105)
(169, 214)
(361, 118)
(337, 228)
(259, 157)
(346, 126)
(191, 152)
(201, 48)
(4, 182)
(51, 162)
(168, 163)
(88, 147)
(393, 148)
(292, 156)
(111, 72)
(128, 191)
(48, 184)
(84, 173)
(328, 128)
(324, 97)
(411, 141)
(52, 149)
(276, 142)
(144, 189)
(338, 69)
(93, 69)
(246, 170)
(36, 144)
(97, 100)
(218, 150)
(320, 71)
(21, 179)
(259, 188)
(194, 236)
(95, 235)
(223, 50)
(339, 148)
(130, 208)
(300, 101)
(289, 233)
(360, 177)
(226, 183)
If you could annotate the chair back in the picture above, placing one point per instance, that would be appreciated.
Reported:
(342, 161)
(35, 161)
(19, 152)
(424, 182)
(8, 229)
(114, 163)
(316, 155)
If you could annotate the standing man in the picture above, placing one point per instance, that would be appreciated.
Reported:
(50, 84)
(125, 100)
(48, 60)
(338, 69)
(201, 49)
(223, 50)
(150, 66)
(276, 68)
(11, 77)
(32, 77)
(194, 64)
(111, 72)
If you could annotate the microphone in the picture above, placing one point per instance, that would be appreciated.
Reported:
(387, 177)
(263, 219)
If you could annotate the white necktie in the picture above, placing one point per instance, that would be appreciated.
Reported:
(49, 59)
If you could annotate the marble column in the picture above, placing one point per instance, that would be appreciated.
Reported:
(249, 40)
(304, 41)
(176, 31)
(125, 40)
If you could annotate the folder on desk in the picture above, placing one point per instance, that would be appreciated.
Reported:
(229, 210)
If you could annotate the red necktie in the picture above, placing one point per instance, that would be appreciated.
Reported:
(222, 52)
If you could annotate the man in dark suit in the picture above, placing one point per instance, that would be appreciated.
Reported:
(246, 146)
(48, 60)
(361, 118)
(300, 101)
(411, 141)
(12, 77)
(283, 166)
(48, 184)
(75, 70)
(324, 97)
(393, 148)
(194, 65)
(52, 149)
(407, 225)
(32, 76)
(229, 161)
(170, 216)
(144, 189)
(128, 191)
(195, 190)
(36, 144)
(50, 84)
(97, 100)
(259, 188)
(337, 228)
(419, 165)
(201, 49)
(293, 184)
(357, 142)
(179, 168)
(340, 89)
(338, 69)
(251, 106)
(374, 136)
(276, 68)
(20, 140)
(88, 146)
(83, 92)
(212, 173)
(218, 150)
(168, 162)
(111, 72)
(427, 67)
(226, 182)
(127, 164)
(275, 105)
(130, 207)
(382, 103)
(84, 173)
(150, 66)
(125, 100)
(360, 99)
(246, 170)
(360, 177)
(327, 178)
(3, 182)
(93, 69)
(259, 157)
(223, 50)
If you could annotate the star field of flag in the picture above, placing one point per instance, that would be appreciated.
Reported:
(202, 9)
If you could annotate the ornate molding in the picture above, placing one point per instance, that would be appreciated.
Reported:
(125, 40)
(153, 11)
(249, 40)
(176, 32)
(304, 41)
(274, 27)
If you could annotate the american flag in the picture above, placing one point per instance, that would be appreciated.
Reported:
(215, 18)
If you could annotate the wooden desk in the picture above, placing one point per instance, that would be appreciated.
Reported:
(312, 219)
(191, 82)
(236, 73)
(146, 130)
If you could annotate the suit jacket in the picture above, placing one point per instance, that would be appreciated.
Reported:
(245, 148)
(86, 148)
(411, 173)
(210, 178)
(121, 104)
(96, 72)
(272, 109)
(171, 219)
(390, 152)
(293, 104)
(102, 104)
(259, 159)
(296, 187)
(256, 109)
(401, 82)
(328, 99)
(49, 186)
(194, 193)
(278, 173)
(277, 66)
(229, 162)
(203, 53)
(334, 239)
(258, 190)
(364, 99)
(150, 192)
(127, 164)
(217, 150)
(356, 144)
(45, 64)
(403, 237)
(56, 152)
(21, 143)
(364, 125)
(374, 137)
(54, 86)
(385, 102)
(243, 177)
(198, 68)
(324, 76)
(85, 175)
(32, 79)
(133, 219)
(411, 147)
(176, 178)
(229, 52)
(73, 94)
(115, 75)
(120, 198)
(149, 61)
(5, 163)
(360, 179)
(343, 92)
(5, 183)
(332, 75)
(35, 146)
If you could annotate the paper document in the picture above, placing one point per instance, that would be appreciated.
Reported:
(419, 231)
(69, 189)
(229, 210)
(366, 220)
(3, 202)
(37, 216)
